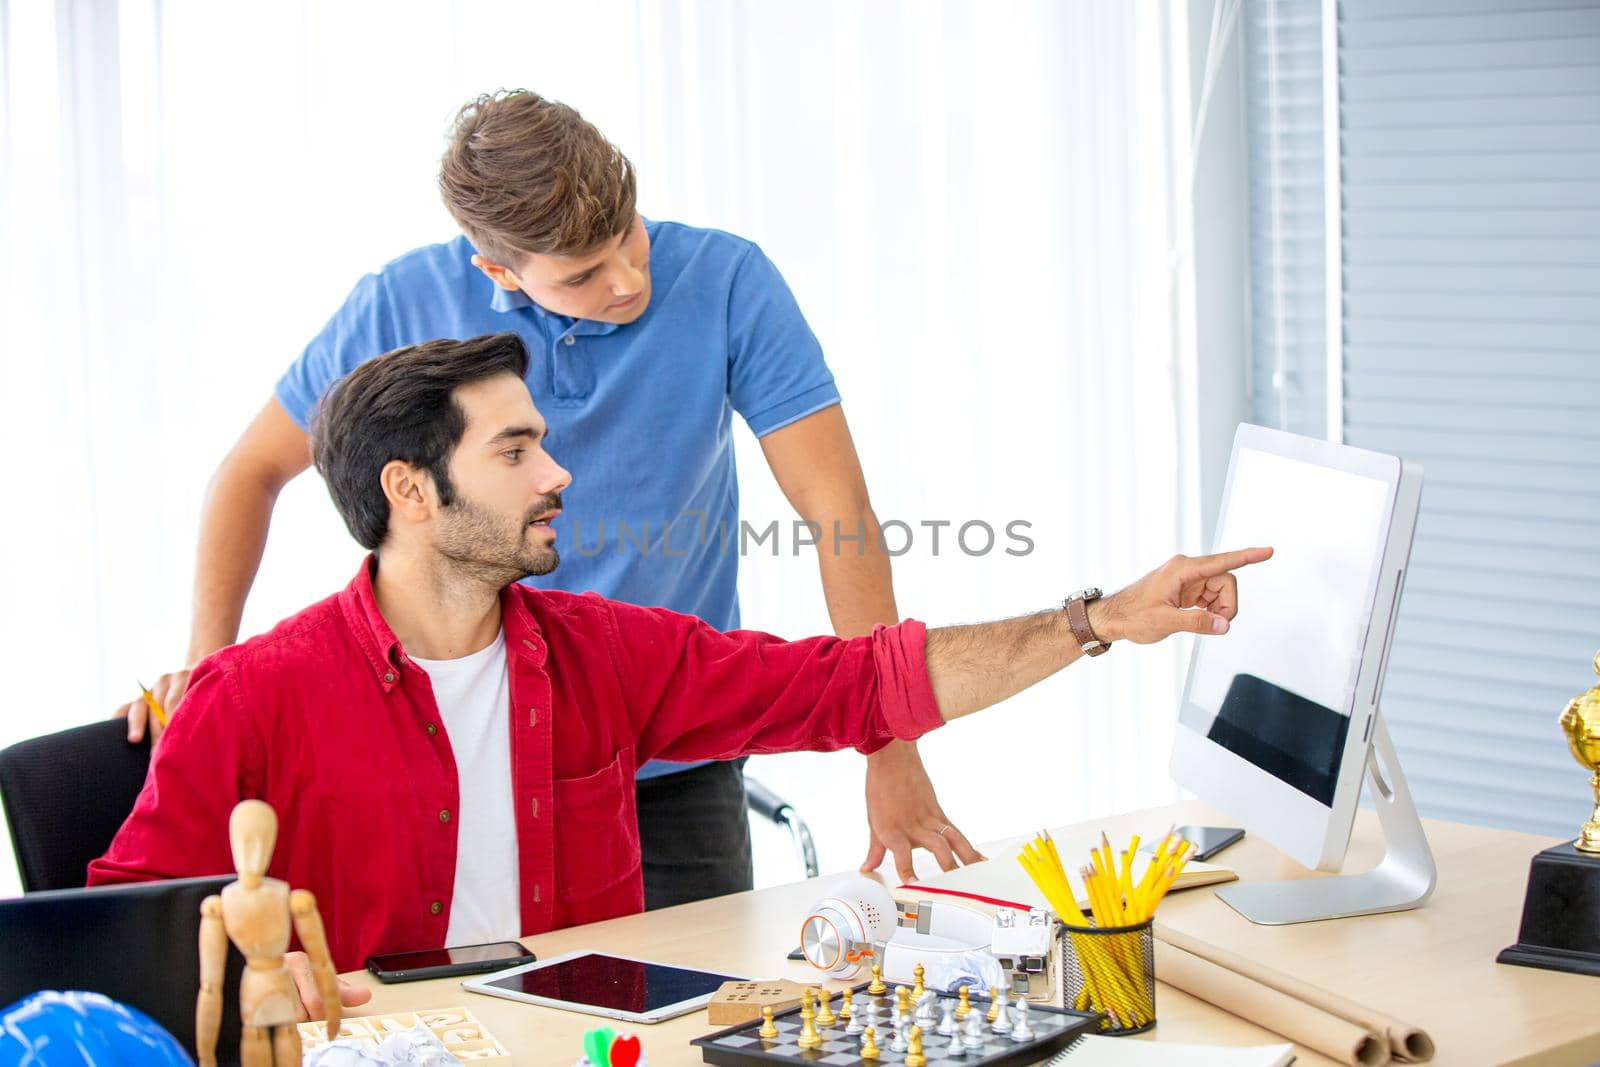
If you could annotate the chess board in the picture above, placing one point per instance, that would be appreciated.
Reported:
(456, 1028)
(742, 1046)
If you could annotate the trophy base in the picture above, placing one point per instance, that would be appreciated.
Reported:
(1559, 928)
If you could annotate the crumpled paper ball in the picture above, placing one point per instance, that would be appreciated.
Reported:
(417, 1046)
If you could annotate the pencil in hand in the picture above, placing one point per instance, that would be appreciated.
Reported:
(154, 705)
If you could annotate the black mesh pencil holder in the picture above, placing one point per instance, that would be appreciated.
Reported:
(1113, 972)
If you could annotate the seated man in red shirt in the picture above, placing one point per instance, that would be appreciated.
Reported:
(451, 752)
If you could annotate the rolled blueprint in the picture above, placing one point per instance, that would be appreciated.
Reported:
(1281, 1013)
(1407, 1043)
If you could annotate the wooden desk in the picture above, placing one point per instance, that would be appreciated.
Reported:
(1433, 967)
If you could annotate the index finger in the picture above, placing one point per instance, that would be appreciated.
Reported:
(299, 965)
(1223, 562)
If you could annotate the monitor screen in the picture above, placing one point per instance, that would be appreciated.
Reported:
(1278, 691)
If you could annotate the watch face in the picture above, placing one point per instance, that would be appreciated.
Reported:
(1086, 594)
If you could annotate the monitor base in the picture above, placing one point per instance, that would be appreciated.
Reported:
(1403, 880)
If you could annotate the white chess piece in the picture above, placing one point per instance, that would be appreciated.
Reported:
(977, 1029)
(856, 1025)
(957, 1048)
(1002, 1016)
(900, 1043)
(925, 1008)
(1020, 1030)
(947, 1019)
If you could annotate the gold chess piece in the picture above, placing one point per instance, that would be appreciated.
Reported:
(902, 999)
(809, 1038)
(1580, 722)
(869, 1046)
(769, 1029)
(914, 1056)
(825, 1017)
(877, 988)
(918, 988)
(964, 1008)
(994, 1005)
(845, 1007)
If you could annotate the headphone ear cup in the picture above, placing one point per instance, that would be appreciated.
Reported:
(874, 903)
(826, 933)
(861, 911)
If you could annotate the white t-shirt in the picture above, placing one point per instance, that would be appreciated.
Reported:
(474, 698)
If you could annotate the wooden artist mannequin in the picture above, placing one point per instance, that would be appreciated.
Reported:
(255, 913)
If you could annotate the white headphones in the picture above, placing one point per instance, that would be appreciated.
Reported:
(861, 924)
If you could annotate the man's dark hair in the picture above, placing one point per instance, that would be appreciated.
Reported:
(401, 405)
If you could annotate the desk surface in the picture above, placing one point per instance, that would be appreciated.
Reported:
(1433, 967)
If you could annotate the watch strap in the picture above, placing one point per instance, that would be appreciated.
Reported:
(1077, 609)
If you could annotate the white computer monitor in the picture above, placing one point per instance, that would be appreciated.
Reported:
(1279, 718)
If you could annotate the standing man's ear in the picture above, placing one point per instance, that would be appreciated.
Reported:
(410, 491)
(501, 276)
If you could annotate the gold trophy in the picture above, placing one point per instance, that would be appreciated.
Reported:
(1581, 723)
(1561, 912)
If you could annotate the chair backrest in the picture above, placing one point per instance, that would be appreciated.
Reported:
(138, 944)
(66, 795)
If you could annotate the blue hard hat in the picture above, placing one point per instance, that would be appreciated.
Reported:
(77, 1029)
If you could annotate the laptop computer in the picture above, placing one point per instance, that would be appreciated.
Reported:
(138, 944)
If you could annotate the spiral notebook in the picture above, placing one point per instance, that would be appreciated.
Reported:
(1096, 1051)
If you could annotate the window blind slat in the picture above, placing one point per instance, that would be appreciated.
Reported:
(1470, 305)
(1531, 279)
(1353, 13)
(1509, 25)
(1469, 112)
(1449, 167)
(1452, 86)
(1487, 361)
(1466, 57)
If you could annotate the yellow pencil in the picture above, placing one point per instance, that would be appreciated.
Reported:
(155, 706)
(1127, 866)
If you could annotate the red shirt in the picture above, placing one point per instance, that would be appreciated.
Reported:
(328, 720)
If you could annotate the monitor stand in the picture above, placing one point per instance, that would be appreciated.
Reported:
(1404, 879)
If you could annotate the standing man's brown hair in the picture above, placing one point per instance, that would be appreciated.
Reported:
(525, 175)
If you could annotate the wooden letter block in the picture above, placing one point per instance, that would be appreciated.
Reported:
(738, 1002)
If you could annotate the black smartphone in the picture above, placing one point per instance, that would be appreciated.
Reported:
(444, 962)
(1209, 840)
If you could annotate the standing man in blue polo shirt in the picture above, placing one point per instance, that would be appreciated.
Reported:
(645, 337)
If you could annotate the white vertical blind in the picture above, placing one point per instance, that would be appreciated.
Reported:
(1470, 154)
(1283, 94)
(1470, 263)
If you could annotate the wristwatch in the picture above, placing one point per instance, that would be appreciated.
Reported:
(1077, 608)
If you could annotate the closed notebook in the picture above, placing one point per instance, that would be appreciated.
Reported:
(1002, 882)
(1096, 1051)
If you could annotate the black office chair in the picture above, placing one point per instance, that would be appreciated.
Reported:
(66, 795)
(770, 806)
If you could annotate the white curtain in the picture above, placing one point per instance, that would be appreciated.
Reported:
(977, 205)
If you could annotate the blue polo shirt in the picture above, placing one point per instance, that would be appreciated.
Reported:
(640, 414)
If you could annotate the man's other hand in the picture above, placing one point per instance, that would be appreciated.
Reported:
(168, 690)
(305, 981)
(904, 815)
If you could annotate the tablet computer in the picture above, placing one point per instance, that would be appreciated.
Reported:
(616, 987)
